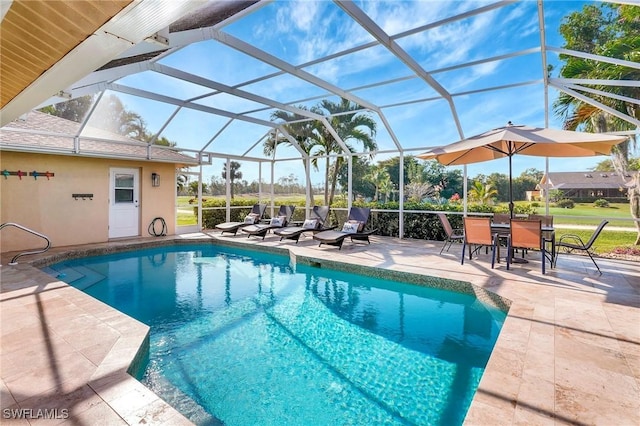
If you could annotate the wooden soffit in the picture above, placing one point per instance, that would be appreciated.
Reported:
(35, 34)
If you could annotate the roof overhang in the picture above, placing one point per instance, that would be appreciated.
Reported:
(48, 45)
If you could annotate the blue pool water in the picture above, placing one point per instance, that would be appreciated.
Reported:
(243, 338)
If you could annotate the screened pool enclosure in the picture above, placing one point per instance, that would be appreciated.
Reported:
(299, 95)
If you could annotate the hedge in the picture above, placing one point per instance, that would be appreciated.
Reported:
(210, 218)
(416, 225)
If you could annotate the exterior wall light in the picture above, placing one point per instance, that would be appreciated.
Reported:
(155, 179)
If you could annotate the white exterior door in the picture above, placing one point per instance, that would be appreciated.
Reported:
(124, 193)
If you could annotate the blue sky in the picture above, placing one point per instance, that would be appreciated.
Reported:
(302, 31)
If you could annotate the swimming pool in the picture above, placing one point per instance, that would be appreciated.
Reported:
(243, 337)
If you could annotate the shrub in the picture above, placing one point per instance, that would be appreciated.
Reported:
(210, 218)
(535, 204)
(565, 203)
(601, 202)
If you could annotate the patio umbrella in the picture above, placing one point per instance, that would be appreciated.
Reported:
(515, 139)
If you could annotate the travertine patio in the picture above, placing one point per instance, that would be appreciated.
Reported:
(569, 352)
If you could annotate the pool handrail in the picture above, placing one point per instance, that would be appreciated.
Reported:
(31, 231)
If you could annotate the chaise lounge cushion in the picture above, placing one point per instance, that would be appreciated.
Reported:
(359, 223)
(277, 221)
(251, 218)
(311, 224)
(256, 213)
(350, 228)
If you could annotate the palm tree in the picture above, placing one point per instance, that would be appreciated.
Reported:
(234, 173)
(315, 139)
(613, 34)
(352, 126)
(300, 127)
(181, 182)
(482, 193)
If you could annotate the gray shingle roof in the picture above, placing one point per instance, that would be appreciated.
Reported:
(587, 180)
(51, 134)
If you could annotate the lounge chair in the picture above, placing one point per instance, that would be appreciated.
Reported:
(353, 228)
(280, 220)
(317, 222)
(257, 211)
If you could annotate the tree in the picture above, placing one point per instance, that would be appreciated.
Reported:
(181, 182)
(482, 193)
(193, 188)
(449, 181)
(500, 182)
(302, 129)
(74, 109)
(610, 30)
(380, 178)
(350, 124)
(419, 186)
(163, 141)
(111, 114)
(412, 168)
(233, 174)
(360, 186)
(607, 165)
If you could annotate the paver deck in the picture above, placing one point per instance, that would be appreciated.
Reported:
(568, 353)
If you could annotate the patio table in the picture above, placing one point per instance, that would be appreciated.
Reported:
(548, 234)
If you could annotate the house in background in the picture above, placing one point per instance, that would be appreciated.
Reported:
(590, 186)
(82, 185)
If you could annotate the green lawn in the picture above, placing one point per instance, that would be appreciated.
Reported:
(606, 242)
(588, 214)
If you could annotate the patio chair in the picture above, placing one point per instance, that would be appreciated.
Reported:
(452, 234)
(572, 242)
(317, 222)
(257, 211)
(501, 218)
(549, 236)
(354, 228)
(527, 235)
(477, 232)
(500, 223)
(280, 220)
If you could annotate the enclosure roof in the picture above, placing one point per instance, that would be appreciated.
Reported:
(208, 75)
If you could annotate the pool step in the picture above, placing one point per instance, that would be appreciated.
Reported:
(80, 277)
(180, 401)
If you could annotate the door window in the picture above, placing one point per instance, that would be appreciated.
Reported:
(124, 188)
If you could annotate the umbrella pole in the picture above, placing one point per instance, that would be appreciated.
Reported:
(514, 259)
(510, 188)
